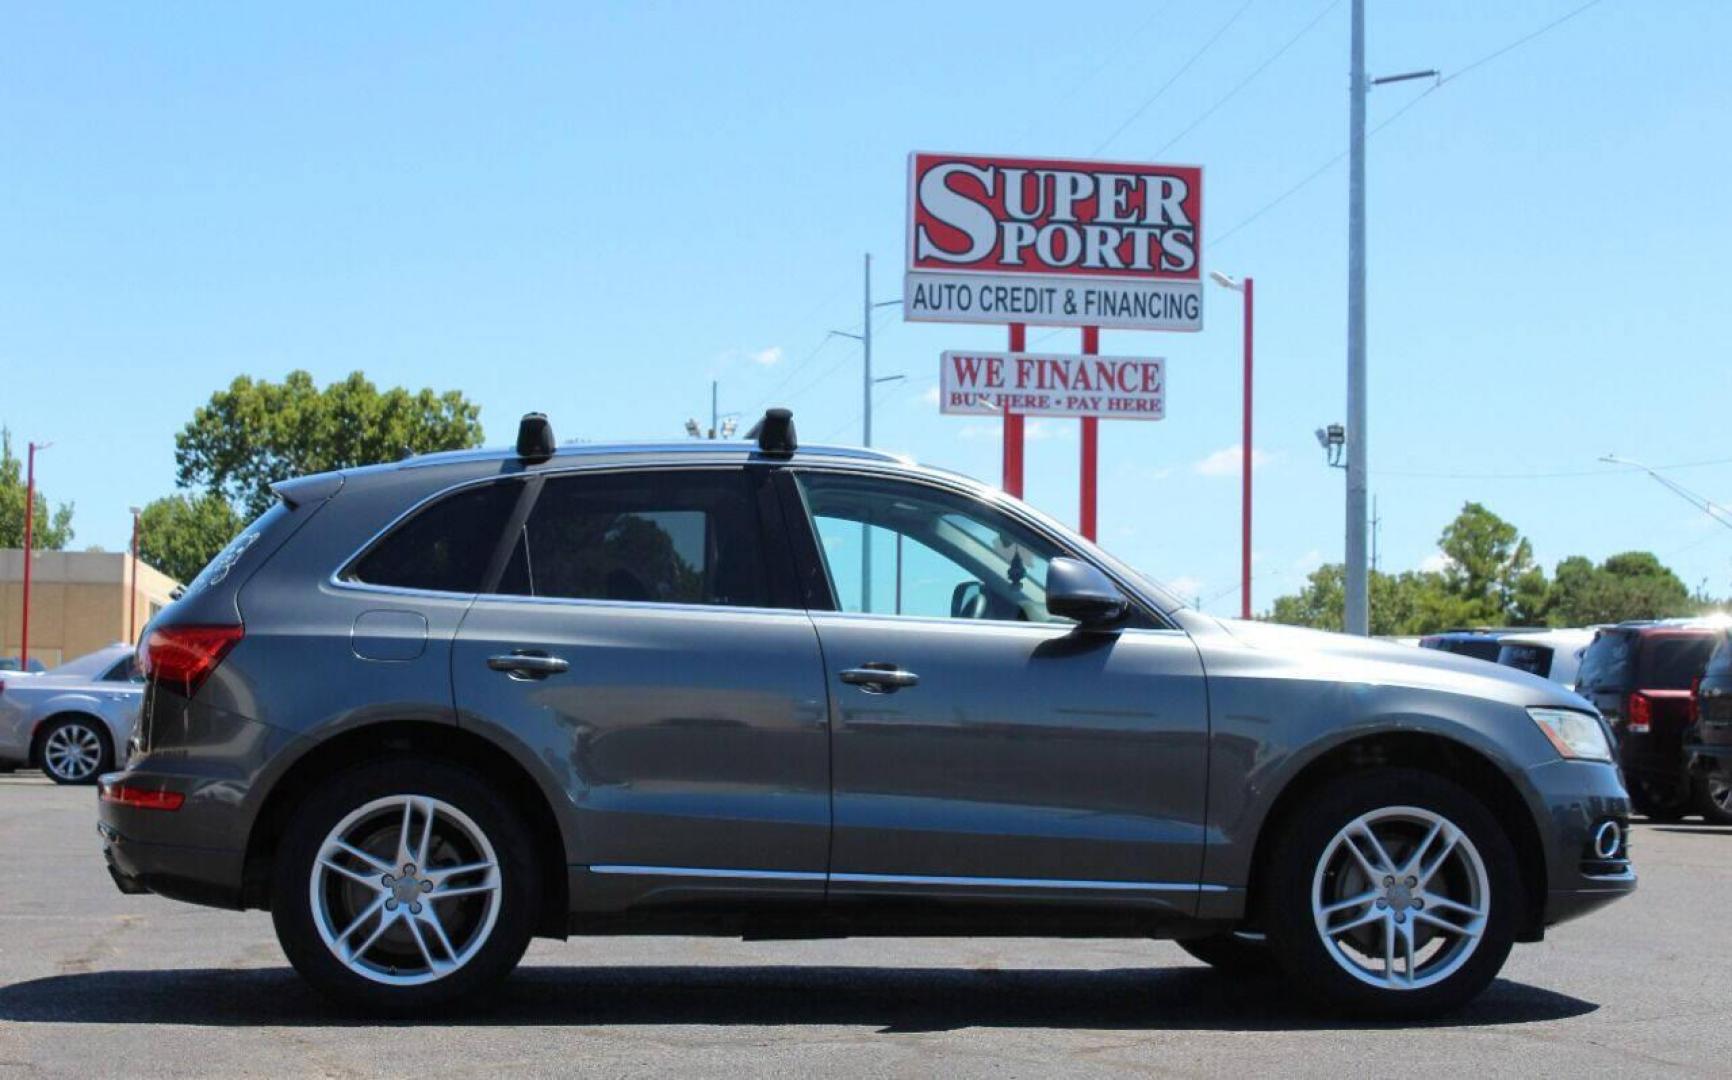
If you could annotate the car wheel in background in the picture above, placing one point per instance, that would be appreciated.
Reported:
(75, 750)
(404, 885)
(1659, 802)
(1714, 798)
(1393, 893)
(1233, 953)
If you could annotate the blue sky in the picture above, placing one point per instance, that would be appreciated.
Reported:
(594, 210)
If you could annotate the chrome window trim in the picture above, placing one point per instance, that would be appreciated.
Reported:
(908, 879)
(336, 579)
(1005, 504)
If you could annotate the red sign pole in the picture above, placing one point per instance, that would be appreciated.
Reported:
(1013, 424)
(1091, 435)
(29, 521)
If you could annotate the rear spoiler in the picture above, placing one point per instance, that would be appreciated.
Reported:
(302, 490)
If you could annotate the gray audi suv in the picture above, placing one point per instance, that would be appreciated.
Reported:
(424, 711)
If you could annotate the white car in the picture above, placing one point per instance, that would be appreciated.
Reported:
(72, 721)
(1551, 654)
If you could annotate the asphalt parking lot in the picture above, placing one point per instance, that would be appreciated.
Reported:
(96, 983)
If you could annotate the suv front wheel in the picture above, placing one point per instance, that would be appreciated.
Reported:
(1394, 893)
(404, 885)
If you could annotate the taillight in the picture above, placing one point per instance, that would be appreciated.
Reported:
(1638, 714)
(184, 656)
(142, 798)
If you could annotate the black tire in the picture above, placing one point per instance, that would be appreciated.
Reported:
(1662, 805)
(81, 728)
(496, 949)
(1302, 843)
(1233, 953)
(1714, 798)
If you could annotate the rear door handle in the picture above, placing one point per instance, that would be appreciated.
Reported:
(528, 664)
(877, 677)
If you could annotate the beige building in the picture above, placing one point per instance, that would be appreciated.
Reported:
(79, 601)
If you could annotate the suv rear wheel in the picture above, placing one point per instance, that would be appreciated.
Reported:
(404, 885)
(1394, 893)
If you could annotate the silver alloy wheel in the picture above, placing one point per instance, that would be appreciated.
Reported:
(72, 751)
(1401, 898)
(405, 890)
(1720, 792)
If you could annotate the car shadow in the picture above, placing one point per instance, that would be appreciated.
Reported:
(894, 1000)
(1688, 829)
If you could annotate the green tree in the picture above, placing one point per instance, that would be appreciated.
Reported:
(179, 534)
(257, 432)
(1631, 585)
(1491, 573)
(49, 531)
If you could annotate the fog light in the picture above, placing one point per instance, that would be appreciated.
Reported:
(1608, 840)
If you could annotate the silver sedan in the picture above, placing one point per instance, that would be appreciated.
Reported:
(74, 720)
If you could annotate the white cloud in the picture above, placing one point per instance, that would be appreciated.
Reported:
(1436, 562)
(769, 357)
(1225, 462)
(931, 396)
(1309, 561)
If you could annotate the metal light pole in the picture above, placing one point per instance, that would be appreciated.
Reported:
(1358, 610)
(1248, 288)
(132, 608)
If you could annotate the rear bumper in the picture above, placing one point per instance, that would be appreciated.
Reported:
(145, 853)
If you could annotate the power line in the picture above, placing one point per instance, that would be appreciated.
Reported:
(1440, 84)
(1115, 59)
(1249, 79)
(1176, 76)
(1553, 475)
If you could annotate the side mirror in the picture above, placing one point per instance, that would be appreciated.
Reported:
(1076, 590)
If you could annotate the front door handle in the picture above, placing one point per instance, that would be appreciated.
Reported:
(878, 677)
(528, 664)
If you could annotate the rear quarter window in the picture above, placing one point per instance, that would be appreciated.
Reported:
(1534, 659)
(1720, 664)
(443, 547)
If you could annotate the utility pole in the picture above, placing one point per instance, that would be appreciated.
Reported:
(867, 382)
(1358, 613)
(715, 419)
(132, 592)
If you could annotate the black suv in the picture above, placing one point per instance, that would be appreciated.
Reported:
(426, 710)
(1709, 741)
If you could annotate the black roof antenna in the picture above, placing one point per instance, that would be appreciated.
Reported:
(775, 433)
(534, 438)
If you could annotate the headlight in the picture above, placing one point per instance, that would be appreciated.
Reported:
(1573, 734)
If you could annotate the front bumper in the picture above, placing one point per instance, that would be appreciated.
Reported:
(1580, 799)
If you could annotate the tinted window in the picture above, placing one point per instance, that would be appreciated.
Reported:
(224, 562)
(893, 548)
(1478, 648)
(1720, 664)
(686, 537)
(1536, 659)
(444, 547)
(1606, 663)
(1670, 662)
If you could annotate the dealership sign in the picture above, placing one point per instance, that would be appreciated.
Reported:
(1054, 242)
(1053, 384)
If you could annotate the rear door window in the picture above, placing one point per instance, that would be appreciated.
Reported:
(1671, 662)
(661, 537)
(445, 546)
